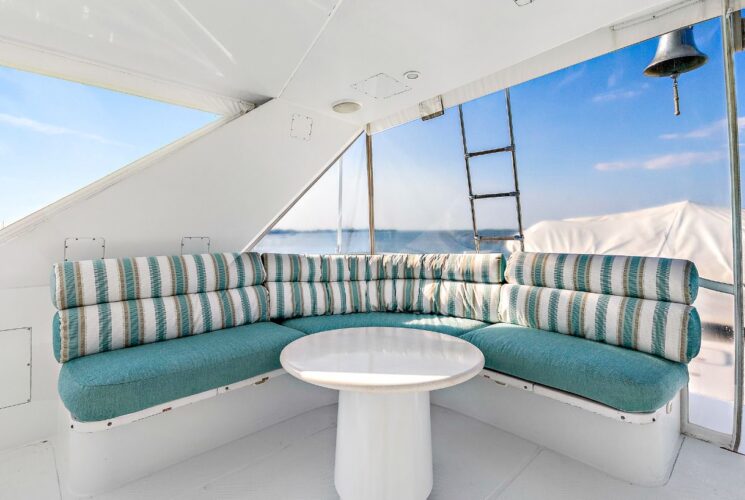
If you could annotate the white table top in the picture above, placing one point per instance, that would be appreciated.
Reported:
(381, 359)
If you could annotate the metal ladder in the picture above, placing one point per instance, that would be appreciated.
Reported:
(473, 198)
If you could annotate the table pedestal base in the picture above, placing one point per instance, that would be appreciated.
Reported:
(383, 446)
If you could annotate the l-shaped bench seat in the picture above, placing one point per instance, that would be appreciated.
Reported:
(135, 333)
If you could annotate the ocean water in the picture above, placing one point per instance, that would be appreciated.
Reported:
(386, 240)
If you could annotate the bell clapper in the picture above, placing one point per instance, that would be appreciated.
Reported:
(676, 98)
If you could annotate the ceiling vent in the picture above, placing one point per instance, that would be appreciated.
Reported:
(381, 86)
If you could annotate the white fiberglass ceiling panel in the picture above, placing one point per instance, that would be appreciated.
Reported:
(242, 49)
(450, 43)
(217, 55)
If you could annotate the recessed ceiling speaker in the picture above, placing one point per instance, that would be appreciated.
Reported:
(346, 107)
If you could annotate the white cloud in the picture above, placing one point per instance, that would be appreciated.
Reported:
(616, 95)
(615, 77)
(672, 160)
(717, 127)
(48, 129)
(572, 75)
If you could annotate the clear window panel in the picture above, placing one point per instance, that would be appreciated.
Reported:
(332, 216)
(421, 193)
(604, 166)
(711, 386)
(492, 173)
(486, 123)
(59, 136)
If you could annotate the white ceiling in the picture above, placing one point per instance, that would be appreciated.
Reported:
(245, 49)
(307, 51)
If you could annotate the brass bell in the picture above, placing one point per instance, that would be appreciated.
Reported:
(676, 54)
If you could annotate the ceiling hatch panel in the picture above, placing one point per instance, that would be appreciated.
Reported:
(244, 49)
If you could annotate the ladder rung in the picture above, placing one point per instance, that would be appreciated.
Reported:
(489, 151)
(494, 195)
(515, 237)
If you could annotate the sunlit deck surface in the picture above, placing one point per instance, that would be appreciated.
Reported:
(294, 460)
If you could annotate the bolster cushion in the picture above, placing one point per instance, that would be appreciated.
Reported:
(311, 268)
(80, 331)
(668, 280)
(406, 295)
(478, 301)
(296, 299)
(668, 330)
(476, 268)
(473, 268)
(76, 284)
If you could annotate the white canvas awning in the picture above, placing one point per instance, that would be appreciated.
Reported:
(682, 230)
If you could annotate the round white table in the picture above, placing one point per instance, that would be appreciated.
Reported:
(384, 375)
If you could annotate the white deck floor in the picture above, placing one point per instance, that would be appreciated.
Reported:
(294, 460)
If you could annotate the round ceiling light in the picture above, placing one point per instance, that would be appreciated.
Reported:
(346, 107)
(411, 75)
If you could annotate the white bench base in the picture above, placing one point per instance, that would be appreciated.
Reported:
(101, 456)
(102, 460)
(638, 448)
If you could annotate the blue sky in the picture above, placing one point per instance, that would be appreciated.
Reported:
(592, 139)
(57, 136)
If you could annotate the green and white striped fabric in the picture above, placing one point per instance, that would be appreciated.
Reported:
(409, 295)
(476, 268)
(668, 330)
(88, 282)
(469, 300)
(310, 268)
(296, 298)
(472, 268)
(81, 331)
(372, 283)
(670, 280)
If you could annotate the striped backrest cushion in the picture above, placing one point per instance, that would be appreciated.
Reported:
(408, 295)
(469, 300)
(472, 268)
(668, 330)
(476, 268)
(307, 285)
(669, 280)
(298, 298)
(81, 331)
(75, 284)
(312, 268)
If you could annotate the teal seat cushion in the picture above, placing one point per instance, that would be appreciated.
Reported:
(627, 380)
(114, 383)
(432, 322)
